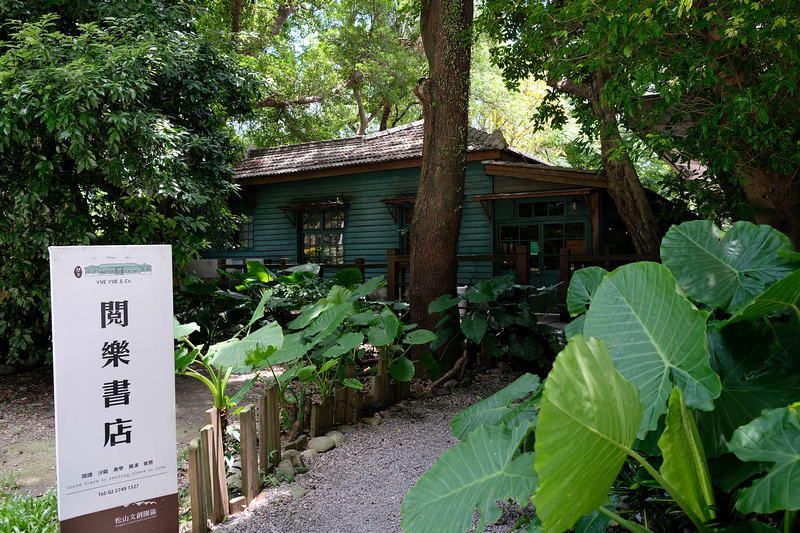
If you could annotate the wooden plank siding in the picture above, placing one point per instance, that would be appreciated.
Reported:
(370, 228)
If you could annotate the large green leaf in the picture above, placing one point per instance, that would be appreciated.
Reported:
(474, 326)
(182, 330)
(471, 475)
(233, 353)
(347, 342)
(419, 336)
(587, 424)
(773, 437)
(782, 294)
(348, 278)
(365, 289)
(258, 314)
(684, 466)
(498, 408)
(388, 328)
(726, 270)
(655, 336)
(258, 271)
(581, 288)
(402, 369)
(443, 303)
(738, 353)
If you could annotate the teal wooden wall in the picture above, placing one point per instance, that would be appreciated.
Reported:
(370, 228)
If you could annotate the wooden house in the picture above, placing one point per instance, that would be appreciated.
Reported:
(332, 202)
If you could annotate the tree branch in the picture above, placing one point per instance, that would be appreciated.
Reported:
(579, 89)
(306, 100)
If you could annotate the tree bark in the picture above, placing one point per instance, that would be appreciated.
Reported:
(624, 185)
(436, 225)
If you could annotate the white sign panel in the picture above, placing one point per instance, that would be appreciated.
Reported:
(114, 378)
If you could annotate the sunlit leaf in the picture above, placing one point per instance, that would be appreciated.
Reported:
(471, 475)
(656, 338)
(726, 270)
(587, 424)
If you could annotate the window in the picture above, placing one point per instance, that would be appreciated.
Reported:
(244, 205)
(322, 236)
(548, 208)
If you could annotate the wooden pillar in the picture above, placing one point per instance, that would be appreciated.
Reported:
(269, 427)
(563, 278)
(359, 264)
(523, 264)
(597, 230)
(199, 487)
(251, 484)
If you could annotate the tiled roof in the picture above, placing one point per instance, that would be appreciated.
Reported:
(402, 142)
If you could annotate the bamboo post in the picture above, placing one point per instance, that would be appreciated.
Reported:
(219, 481)
(250, 480)
(269, 428)
(199, 482)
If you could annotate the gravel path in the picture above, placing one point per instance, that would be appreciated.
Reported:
(359, 486)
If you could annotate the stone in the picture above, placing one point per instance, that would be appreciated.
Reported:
(309, 454)
(347, 428)
(286, 467)
(396, 408)
(373, 421)
(295, 458)
(322, 444)
(450, 384)
(298, 444)
(337, 436)
(441, 392)
(297, 491)
(6, 370)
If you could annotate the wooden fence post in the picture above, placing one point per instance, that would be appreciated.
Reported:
(251, 484)
(199, 485)
(219, 481)
(269, 427)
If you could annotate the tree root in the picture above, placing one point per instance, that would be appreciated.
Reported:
(458, 367)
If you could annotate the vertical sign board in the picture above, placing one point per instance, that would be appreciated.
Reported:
(114, 374)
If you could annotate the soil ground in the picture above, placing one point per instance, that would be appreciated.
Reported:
(27, 424)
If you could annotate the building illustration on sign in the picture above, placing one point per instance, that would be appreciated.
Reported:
(117, 269)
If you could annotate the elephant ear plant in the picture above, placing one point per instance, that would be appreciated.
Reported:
(224, 358)
(688, 368)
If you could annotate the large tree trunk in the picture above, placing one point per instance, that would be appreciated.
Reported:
(624, 185)
(444, 96)
(775, 200)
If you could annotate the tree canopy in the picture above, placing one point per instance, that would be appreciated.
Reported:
(115, 130)
(711, 84)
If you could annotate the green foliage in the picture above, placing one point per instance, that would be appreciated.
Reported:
(114, 121)
(601, 395)
(729, 69)
(28, 513)
(473, 474)
(499, 317)
(588, 423)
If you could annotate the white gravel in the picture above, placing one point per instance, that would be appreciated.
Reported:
(359, 486)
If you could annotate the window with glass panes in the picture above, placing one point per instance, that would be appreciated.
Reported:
(322, 236)
(244, 205)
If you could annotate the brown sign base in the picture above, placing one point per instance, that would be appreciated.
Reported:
(155, 515)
